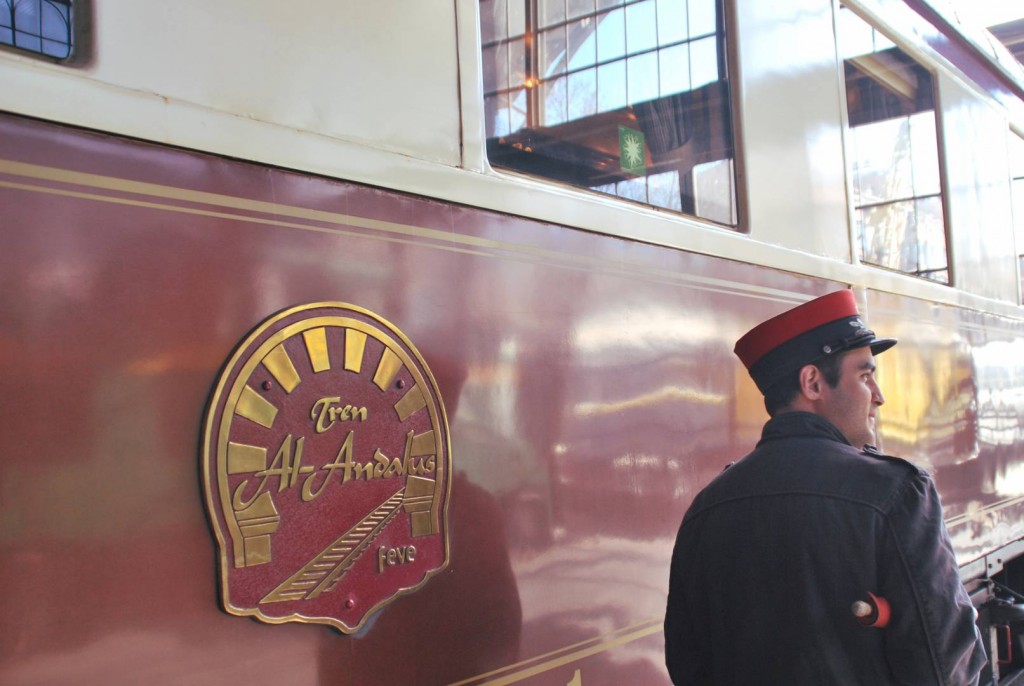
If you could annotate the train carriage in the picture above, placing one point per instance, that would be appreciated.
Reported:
(375, 343)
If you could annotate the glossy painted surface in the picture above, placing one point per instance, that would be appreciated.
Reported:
(797, 189)
(407, 113)
(123, 301)
(937, 24)
(589, 379)
(977, 171)
(589, 382)
(954, 407)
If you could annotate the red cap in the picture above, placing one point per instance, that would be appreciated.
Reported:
(806, 333)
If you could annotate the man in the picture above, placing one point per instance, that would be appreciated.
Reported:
(817, 560)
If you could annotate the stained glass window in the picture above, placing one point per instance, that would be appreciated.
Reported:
(625, 97)
(39, 26)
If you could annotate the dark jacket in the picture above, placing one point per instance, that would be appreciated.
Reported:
(774, 552)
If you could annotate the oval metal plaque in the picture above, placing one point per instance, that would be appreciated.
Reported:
(326, 464)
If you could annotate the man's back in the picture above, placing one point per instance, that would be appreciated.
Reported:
(772, 555)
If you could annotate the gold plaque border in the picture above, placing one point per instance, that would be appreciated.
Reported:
(438, 420)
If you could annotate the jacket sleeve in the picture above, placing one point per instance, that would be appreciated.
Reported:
(932, 637)
(681, 657)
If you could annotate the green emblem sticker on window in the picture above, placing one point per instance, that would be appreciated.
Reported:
(631, 151)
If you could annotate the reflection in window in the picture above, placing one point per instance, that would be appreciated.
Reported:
(897, 196)
(40, 26)
(626, 97)
(1017, 188)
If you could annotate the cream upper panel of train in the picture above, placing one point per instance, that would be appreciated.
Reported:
(257, 80)
(812, 136)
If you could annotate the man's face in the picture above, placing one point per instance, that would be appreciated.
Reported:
(851, 405)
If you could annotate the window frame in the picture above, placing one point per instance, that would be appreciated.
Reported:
(79, 25)
(849, 152)
(727, 53)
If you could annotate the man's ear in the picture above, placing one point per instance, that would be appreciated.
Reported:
(811, 382)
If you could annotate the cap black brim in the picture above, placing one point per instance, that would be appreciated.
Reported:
(880, 345)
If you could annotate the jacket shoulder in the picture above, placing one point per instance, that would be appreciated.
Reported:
(873, 453)
(812, 467)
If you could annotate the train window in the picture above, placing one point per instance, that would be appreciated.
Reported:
(43, 27)
(1017, 188)
(893, 144)
(625, 97)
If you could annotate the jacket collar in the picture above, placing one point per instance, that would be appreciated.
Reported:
(800, 425)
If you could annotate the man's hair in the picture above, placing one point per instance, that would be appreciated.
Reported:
(782, 393)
